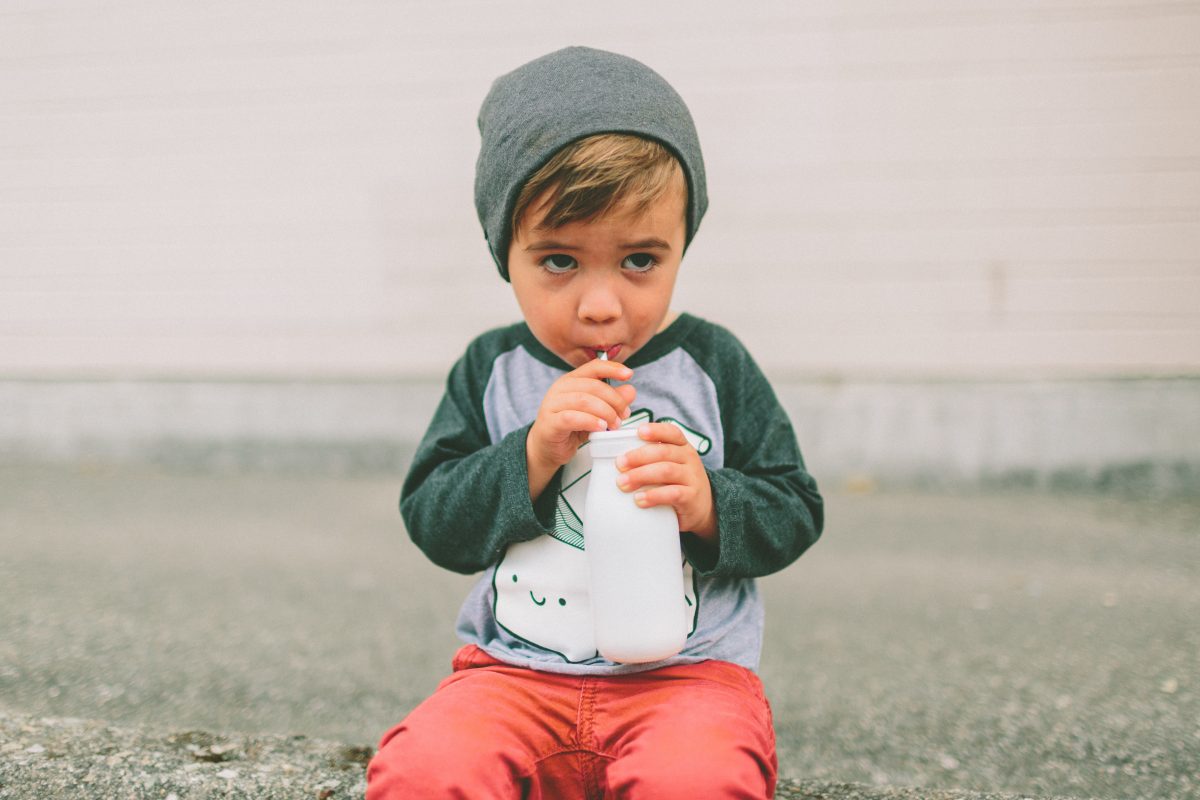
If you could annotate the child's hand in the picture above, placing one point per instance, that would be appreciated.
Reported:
(672, 470)
(575, 405)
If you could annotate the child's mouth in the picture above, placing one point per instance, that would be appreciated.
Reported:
(610, 351)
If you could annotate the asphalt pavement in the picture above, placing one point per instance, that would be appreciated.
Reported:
(1005, 642)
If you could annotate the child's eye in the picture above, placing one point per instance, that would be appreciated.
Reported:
(639, 262)
(558, 263)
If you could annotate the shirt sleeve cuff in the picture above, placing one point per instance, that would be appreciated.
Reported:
(719, 557)
(530, 518)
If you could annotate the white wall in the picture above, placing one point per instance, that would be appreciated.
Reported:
(922, 188)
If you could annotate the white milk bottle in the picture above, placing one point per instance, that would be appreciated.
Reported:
(635, 562)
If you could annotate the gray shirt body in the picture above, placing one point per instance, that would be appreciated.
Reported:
(466, 500)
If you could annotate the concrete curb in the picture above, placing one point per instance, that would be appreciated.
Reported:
(91, 760)
(1126, 435)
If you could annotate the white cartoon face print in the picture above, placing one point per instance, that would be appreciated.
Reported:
(542, 597)
(541, 586)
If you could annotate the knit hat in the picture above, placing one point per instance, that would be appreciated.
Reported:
(537, 109)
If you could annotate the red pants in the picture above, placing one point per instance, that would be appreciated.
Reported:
(497, 731)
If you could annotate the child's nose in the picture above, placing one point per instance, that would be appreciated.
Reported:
(599, 302)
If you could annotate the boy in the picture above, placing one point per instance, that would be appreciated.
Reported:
(589, 185)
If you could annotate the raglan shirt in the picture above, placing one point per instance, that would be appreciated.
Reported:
(466, 502)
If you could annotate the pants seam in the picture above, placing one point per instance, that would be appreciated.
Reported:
(585, 732)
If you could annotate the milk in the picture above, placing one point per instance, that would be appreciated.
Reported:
(634, 563)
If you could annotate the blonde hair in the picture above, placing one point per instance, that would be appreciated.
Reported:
(591, 176)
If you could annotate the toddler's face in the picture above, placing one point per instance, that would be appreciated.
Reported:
(600, 284)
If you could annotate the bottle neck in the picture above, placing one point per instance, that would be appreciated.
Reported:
(610, 444)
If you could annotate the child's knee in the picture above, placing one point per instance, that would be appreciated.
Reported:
(675, 782)
(408, 766)
(718, 768)
(399, 767)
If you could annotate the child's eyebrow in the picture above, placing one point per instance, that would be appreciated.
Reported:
(549, 245)
(647, 244)
(643, 244)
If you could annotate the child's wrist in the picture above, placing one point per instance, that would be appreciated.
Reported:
(536, 453)
(538, 468)
(707, 530)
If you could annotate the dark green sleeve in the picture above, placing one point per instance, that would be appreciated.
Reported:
(465, 498)
(769, 510)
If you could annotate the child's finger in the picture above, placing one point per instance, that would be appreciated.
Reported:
(662, 432)
(618, 398)
(603, 370)
(627, 392)
(589, 404)
(660, 473)
(571, 421)
(660, 496)
(650, 454)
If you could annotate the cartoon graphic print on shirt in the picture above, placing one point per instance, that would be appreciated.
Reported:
(541, 586)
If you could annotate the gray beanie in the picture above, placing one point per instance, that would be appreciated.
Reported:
(537, 109)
